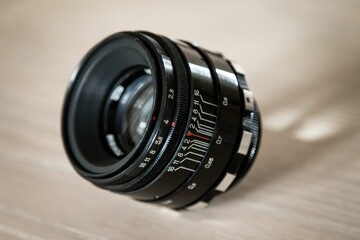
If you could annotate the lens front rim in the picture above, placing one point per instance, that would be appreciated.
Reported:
(178, 121)
(86, 169)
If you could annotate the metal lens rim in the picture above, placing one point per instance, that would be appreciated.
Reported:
(80, 75)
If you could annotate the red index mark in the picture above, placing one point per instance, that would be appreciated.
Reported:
(189, 134)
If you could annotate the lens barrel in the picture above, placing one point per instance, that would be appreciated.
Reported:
(164, 121)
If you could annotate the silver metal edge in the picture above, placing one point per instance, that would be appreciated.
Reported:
(245, 143)
(249, 100)
(225, 182)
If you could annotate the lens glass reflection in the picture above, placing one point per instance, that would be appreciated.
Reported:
(134, 110)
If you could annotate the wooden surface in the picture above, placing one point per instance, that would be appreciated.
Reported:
(302, 60)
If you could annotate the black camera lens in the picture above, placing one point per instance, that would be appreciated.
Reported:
(161, 120)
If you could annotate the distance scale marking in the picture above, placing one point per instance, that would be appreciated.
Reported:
(222, 144)
(191, 152)
(240, 164)
(198, 137)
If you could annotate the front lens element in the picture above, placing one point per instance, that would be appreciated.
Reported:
(139, 113)
(128, 111)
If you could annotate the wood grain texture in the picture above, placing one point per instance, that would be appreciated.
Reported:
(302, 60)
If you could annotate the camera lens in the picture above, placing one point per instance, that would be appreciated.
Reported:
(164, 121)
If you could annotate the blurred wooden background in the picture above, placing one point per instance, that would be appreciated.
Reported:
(302, 60)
